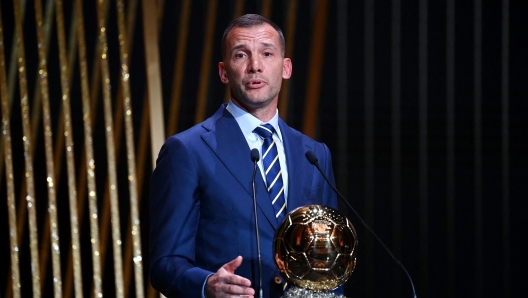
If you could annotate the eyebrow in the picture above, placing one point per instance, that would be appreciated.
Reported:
(265, 44)
(268, 45)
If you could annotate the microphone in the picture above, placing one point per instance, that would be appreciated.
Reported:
(255, 156)
(313, 160)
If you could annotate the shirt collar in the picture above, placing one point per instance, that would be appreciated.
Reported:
(248, 122)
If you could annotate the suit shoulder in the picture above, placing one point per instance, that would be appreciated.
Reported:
(307, 141)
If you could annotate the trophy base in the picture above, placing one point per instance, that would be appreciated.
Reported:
(304, 293)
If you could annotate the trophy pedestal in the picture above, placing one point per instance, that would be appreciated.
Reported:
(304, 293)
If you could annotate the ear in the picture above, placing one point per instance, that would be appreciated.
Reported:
(286, 68)
(222, 72)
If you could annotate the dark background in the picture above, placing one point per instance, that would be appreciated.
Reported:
(422, 103)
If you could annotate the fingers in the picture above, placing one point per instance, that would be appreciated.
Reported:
(233, 265)
(224, 283)
(233, 279)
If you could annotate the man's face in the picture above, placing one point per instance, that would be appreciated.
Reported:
(253, 66)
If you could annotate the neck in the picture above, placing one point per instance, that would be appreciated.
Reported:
(263, 113)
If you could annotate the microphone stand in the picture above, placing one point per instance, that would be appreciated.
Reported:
(313, 160)
(255, 158)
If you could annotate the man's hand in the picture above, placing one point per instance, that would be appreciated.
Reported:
(224, 283)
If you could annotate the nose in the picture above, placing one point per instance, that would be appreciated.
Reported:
(254, 65)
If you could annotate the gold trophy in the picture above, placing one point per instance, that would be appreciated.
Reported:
(315, 250)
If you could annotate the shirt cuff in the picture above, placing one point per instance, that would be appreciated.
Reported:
(203, 286)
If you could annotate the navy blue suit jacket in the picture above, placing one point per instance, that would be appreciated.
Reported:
(201, 204)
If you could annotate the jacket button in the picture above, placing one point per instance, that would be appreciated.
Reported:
(277, 280)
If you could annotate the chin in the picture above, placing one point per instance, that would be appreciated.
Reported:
(255, 100)
(260, 102)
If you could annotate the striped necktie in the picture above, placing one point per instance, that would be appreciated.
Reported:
(272, 169)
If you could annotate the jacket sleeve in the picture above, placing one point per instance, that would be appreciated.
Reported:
(174, 219)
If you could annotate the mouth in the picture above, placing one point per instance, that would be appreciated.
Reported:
(255, 83)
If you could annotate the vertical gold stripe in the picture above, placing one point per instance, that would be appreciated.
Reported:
(94, 95)
(128, 244)
(143, 134)
(88, 147)
(131, 17)
(28, 157)
(70, 158)
(48, 146)
(266, 8)
(131, 155)
(179, 68)
(106, 208)
(116, 233)
(156, 140)
(11, 208)
(50, 243)
(314, 77)
(142, 153)
(150, 33)
(290, 36)
(206, 62)
(239, 9)
(107, 213)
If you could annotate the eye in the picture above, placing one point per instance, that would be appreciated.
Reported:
(240, 55)
(267, 54)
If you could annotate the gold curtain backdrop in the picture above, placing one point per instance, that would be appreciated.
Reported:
(59, 149)
(422, 104)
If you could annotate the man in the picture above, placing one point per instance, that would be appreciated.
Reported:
(203, 234)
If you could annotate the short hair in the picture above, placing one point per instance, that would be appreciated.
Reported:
(248, 21)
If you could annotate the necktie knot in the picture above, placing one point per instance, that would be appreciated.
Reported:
(265, 130)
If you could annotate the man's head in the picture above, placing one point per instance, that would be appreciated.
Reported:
(254, 64)
(252, 20)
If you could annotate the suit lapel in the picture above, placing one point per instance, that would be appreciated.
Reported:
(300, 170)
(226, 140)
